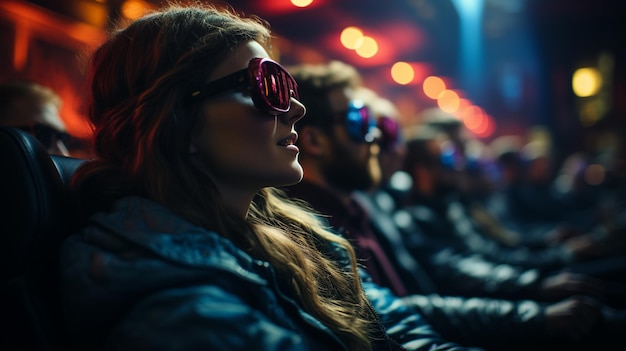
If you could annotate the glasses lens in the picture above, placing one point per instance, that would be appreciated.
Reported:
(389, 132)
(358, 121)
(276, 87)
(451, 157)
(270, 84)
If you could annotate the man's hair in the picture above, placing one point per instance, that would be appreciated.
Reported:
(437, 119)
(13, 92)
(418, 149)
(315, 81)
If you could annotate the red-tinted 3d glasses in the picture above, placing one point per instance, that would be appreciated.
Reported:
(389, 132)
(363, 127)
(271, 86)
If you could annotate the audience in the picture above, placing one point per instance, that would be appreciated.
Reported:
(449, 228)
(342, 173)
(34, 108)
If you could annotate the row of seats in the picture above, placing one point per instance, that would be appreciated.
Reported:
(38, 211)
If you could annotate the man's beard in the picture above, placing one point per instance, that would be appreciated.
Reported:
(348, 174)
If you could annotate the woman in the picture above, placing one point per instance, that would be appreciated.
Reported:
(190, 247)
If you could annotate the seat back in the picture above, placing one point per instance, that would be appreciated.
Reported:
(35, 216)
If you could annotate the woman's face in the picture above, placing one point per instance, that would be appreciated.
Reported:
(240, 147)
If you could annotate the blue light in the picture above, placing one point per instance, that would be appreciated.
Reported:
(471, 70)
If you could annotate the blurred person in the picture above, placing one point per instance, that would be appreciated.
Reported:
(34, 108)
(453, 240)
(190, 246)
(505, 151)
(532, 246)
(339, 146)
(615, 184)
(340, 153)
(584, 227)
(561, 325)
(532, 198)
(538, 194)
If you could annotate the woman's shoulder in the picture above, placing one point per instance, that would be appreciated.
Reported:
(140, 251)
(147, 231)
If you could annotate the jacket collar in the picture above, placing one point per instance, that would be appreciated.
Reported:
(155, 228)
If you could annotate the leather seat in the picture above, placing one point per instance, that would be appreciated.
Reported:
(36, 215)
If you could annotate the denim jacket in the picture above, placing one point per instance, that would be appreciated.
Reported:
(142, 278)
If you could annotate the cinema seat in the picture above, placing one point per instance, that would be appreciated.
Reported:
(36, 214)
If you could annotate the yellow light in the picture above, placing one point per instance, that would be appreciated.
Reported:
(433, 86)
(301, 3)
(448, 101)
(586, 82)
(133, 9)
(402, 73)
(351, 37)
(368, 48)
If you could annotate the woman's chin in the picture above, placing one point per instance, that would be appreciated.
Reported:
(295, 176)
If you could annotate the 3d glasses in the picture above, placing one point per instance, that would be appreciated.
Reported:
(451, 157)
(363, 127)
(271, 86)
(389, 132)
(360, 124)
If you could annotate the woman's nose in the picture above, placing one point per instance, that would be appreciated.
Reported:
(295, 113)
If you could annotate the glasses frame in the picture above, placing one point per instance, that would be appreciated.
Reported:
(364, 128)
(271, 85)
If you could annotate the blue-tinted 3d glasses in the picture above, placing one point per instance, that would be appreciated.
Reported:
(363, 127)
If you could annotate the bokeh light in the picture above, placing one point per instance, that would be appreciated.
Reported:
(448, 101)
(133, 9)
(402, 73)
(473, 117)
(586, 82)
(463, 103)
(486, 128)
(301, 3)
(433, 86)
(368, 48)
(351, 37)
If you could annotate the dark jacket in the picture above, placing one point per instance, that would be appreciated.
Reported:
(471, 321)
(451, 247)
(457, 211)
(434, 241)
(143, 278)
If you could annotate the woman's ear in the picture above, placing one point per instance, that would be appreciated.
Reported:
(311, 140)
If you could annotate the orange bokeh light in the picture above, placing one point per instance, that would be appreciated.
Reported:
(448, 101)
(433, 86)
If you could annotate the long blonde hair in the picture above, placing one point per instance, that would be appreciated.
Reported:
(139, 81)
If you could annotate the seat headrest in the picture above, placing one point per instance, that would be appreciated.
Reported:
(37, 203)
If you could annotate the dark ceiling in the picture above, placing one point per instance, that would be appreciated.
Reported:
(427, 30)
